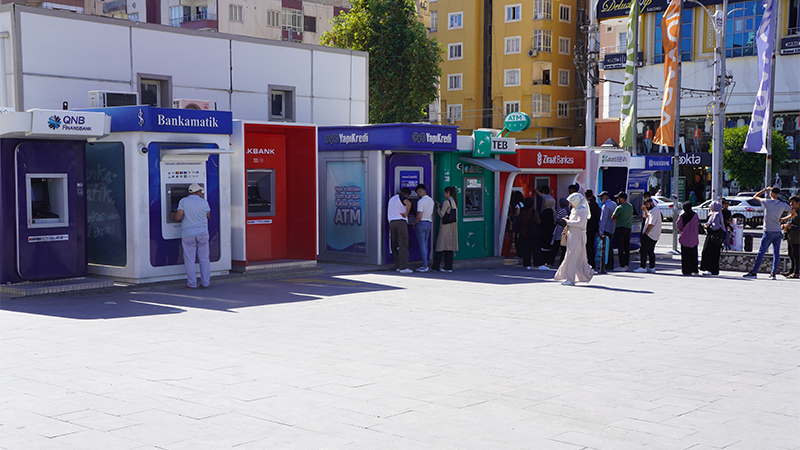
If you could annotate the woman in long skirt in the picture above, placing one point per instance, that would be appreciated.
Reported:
(688, 225)
(711, 249)
(574, 268)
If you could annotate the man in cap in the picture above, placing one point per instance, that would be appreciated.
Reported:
(193, 213)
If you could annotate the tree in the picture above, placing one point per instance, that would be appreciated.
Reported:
(404, 65)
(748, 168)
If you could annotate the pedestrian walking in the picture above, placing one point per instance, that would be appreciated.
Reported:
(397, 211)
(574, 268)
(557, 247)
(623, 218)
(792, 232)
(715, 231)
(688, 224)
(423, 224)
(651, 231)
(607, 225)
(447, 240)
(193, 213)
(528, 235)
(546, 228)
(592, 226)
(773, 210)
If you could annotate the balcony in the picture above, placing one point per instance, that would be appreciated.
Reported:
(297, 36)
(115, 6)
(201, 21)
(542, 82)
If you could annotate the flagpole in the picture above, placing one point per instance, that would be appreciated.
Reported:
(718, 147)
(770, 109)
(676, 136)
(635, 108)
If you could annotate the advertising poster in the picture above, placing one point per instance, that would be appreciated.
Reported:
(345, 218)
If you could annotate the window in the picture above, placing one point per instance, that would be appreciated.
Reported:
(541, 105)
(512, 77)
(454, 20)
(434, 19)
(563, 45)
(310, 24)
(513, 44)
(563, 110)
(454, 51)
(454, 82)
(542, 9)
(134, 17)
(743, 23)
(513, 13)
(273, 18)
(292, 20)
(793, 24)
(623, 38)
(179, 14)
(565, 13)
(543, 40)
(202, 12)
(155, 90)
(563, 77)
(686, 38)
(453, 113)
(235, 13)
(281, 103)
(511, 107)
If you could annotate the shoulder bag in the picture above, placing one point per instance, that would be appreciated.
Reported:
(450, 217)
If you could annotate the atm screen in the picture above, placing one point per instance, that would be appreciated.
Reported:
(175, 192)
(473, 196)
(260, 192)
(40, 199)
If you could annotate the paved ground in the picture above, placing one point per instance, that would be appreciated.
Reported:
(478, 359)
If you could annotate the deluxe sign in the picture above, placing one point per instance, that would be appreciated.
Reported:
(618, 8)
(517, 121)
(70, 123)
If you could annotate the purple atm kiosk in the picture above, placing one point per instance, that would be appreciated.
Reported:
(43, 193)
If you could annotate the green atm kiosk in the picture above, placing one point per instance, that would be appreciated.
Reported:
(475, 173)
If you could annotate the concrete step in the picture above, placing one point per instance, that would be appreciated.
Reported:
(55, 287)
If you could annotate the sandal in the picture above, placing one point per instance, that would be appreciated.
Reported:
(794, 275)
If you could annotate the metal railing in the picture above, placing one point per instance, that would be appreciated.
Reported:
(176, 22)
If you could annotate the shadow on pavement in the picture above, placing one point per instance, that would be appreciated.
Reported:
(223, 297)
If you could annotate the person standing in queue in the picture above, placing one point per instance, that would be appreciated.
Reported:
(623, 216)
(792, 229)
(546, 229)
(397, 212)
(712, 248)
(688, 225)
(447, 240)
(592, 226)
(651, 231)
(193, 213)
(607, 226)
(423, 224)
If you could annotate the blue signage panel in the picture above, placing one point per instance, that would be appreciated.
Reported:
(345, 218)
(168, 120)
(657, 162)
(400, 136)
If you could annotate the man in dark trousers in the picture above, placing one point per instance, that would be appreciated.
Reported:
(397, 212)
(592, 226)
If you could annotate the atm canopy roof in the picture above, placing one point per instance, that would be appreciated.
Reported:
(168, 120)
(394, 136)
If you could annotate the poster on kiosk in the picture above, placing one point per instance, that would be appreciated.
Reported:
(143, 169)
(43, 193)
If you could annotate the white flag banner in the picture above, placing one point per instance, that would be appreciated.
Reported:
(756, 141)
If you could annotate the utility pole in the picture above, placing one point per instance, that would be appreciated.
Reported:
(718, 148)
(591, 66)
(635, 109)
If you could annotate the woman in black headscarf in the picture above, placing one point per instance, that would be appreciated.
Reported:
(715, 239)
(688, 226)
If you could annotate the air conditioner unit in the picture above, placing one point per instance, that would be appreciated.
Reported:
(532, 53)
(185, 103)
(451, 121)
(105, 99)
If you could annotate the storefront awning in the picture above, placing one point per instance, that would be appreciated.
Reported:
(495, 165)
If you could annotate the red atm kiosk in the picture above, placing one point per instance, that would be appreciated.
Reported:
(273, 194)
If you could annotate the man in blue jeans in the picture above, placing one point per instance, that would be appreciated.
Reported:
(423, 224)
(773, 211)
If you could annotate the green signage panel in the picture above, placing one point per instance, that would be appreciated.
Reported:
(483, 144)
(517, 121)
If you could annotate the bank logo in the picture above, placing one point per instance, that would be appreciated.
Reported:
(331, 139)
(418, 138)
(54, 122)
(341, 138)
(539, 159)
(438, 138)
(141, 117)
(555, 159)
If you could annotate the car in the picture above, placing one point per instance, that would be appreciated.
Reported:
(782, 197)
(747, 210)
(665, 206)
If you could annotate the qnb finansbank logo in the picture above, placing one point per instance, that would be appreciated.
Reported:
(342, 138)
(438, 138)
(555, 159)
(68, 123)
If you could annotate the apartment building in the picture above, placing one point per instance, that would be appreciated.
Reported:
(503, 57)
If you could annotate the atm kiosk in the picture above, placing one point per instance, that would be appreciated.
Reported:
(273, 193)
(43, 223)
(360, 169)
(141, 171)
(606, 170)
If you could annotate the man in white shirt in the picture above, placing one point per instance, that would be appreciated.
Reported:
(651, 231)
(397, 212)
(193, 213)
(423, 224)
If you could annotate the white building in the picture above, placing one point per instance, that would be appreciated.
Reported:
(52, 57)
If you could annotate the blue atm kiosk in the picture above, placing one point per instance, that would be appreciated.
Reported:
(43, 223)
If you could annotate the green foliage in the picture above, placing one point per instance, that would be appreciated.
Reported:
(404, 65)
(748, 168)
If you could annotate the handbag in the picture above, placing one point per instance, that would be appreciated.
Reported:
(450, 217)
(564, 237)
(717, 237)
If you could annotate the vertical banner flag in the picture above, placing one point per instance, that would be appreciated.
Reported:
(665, 135)
(626, 129)
(756, 141)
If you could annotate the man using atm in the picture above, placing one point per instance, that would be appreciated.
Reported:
(193, 214)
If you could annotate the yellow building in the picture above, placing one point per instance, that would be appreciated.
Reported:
(520, 59)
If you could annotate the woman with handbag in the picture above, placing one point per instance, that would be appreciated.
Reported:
(574, 268)
(559, 246)
(688, 227)
(447, 240)
(715, 239)
(791, 229)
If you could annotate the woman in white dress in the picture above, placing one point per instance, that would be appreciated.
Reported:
(575, 268)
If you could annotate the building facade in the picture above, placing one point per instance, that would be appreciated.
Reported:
(504, 57)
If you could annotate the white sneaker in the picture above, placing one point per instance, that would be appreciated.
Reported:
(527, 267)
(405, 270)
(449, 271)
(707, 274)
(423, 269)
(621, 269)
(653, 270)
(641, 270)
(543, 267)
(568, 283)
(442, 270)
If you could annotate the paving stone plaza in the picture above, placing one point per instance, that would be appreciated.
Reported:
(498, 358)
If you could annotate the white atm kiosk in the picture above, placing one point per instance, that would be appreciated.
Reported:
(147, 164)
